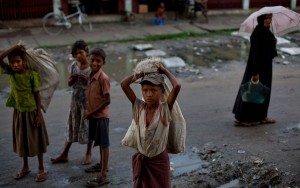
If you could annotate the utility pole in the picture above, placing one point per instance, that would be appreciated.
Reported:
(246, 4)
(293, 4)
(56, 6)
(128, 5)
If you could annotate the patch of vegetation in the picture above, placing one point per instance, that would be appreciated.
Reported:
(149, 38)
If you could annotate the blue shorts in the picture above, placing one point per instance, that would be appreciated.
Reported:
(99, 131)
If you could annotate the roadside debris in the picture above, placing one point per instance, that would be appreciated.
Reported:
(280, 40)
(250, 171)
(291, 51)
(172, 62)
(155, 53)
(142, 47)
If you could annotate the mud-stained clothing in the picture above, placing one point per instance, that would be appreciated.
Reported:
(152, 139)
(99, 86)
(151, 172)
(77, 129)
(151, 166)
(98, 89)
(28, 139)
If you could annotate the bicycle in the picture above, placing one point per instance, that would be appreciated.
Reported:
(194, 6)
(53, 23)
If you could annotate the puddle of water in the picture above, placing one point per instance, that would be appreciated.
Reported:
(295, 128)
(185, 163)
(231, 184)
(122, 60)
(62, 182)
(75, 167)
(119, 129)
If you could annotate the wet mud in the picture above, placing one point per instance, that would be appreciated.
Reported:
(217, 154)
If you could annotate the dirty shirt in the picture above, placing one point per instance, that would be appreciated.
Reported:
(152, 139)
(22, 87)
(99, 86)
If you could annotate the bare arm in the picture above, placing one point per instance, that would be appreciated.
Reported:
(39, 117)
(74, 78)
(4, 53)
(125, 84)
(176, 86)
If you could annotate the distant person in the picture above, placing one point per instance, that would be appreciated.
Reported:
(97, 112)
(179, 7)
(159, 18)
(152, 117)
(77, 127)
(200, 5)
(29, 132)
(258, 69)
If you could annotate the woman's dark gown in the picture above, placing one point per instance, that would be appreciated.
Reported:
(262, 52)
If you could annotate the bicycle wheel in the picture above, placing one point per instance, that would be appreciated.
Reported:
(84, 22)
(53, 23)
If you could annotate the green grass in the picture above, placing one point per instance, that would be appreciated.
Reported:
(150, 38)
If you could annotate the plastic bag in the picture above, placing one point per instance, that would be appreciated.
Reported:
(254, 93)
(40, 61)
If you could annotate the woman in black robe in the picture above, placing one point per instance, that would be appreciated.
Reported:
(259, 67)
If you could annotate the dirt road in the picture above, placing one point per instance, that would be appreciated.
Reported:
(206, 104)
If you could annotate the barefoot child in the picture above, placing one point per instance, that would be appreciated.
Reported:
(151, 166)
(77, 127)
(30, 136)
(97, 112)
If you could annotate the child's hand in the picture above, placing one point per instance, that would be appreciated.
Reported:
(21, 45)
(82, 77)
(137, 76)
(39, 119)
(74, 77)
(87, 116)
(161, 69)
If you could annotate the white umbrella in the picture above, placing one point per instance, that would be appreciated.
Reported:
(283, 20)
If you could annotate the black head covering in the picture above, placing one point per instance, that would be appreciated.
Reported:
(261, 18)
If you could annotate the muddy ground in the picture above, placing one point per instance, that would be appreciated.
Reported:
(259, 156)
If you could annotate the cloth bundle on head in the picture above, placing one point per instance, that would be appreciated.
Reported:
(40, 61)
(177, 129)
(148, 65)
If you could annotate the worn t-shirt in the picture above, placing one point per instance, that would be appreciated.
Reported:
(23, 85)
(152, 139)
(98, 87)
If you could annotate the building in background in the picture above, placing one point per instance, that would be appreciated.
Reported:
(27, 9)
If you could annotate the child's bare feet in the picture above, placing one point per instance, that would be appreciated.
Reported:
(60, 159)
(22, 173)
(87, 160)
